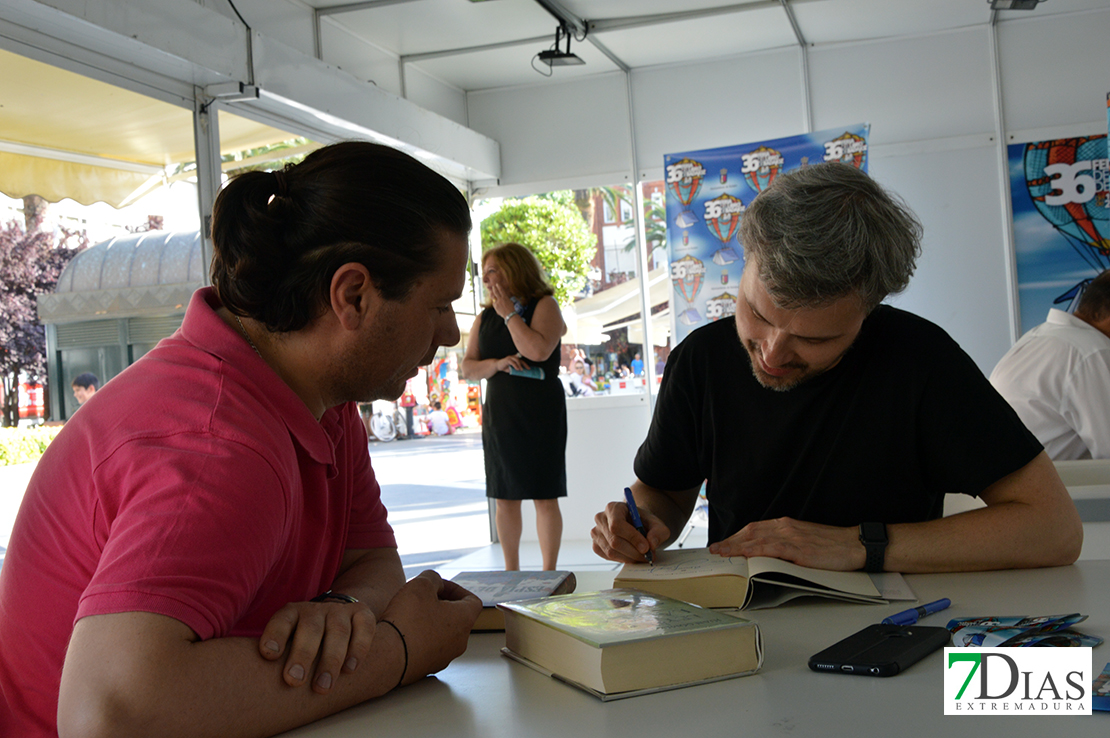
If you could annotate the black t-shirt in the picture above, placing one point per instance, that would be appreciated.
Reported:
(905, 418)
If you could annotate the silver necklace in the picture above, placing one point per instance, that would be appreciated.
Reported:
(247, 336)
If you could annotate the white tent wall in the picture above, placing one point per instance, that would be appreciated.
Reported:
(1056, 72)
(558, 135)
(930, 102)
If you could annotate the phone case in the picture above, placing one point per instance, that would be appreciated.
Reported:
(880, 650)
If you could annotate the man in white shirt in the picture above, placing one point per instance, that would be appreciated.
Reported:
(1057, 377)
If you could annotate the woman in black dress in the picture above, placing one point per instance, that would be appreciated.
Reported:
(524, 418)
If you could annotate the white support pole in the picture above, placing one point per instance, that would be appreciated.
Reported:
(206, 135)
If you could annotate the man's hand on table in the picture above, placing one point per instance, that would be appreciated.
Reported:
(807, 544)
(435, 617)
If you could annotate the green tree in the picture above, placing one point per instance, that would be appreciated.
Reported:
(552, 230)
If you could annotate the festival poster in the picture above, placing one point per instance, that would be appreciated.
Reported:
(1060, 190)
(707, 193)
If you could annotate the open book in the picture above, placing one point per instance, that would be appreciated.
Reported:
(703, 578)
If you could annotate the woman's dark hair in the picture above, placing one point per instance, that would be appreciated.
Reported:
(278, 237)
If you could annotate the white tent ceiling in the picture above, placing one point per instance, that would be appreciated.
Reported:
(485, 44)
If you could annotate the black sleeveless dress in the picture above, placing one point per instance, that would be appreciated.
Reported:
(524, 421)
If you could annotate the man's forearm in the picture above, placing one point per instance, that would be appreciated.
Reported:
(371, 575)
(1008, 535)
(1029, 521)
(219, 687)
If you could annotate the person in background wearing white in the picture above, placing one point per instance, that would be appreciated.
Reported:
(581, 384)
(440, 422)
(1057, 377)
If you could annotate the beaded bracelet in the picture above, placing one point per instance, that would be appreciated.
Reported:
(404, 645)
(329, 595)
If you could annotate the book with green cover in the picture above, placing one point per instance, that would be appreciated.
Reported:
(704, 578)
(623, 642)
(493, 587)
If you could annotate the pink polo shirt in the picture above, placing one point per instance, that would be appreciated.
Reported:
(195, 485)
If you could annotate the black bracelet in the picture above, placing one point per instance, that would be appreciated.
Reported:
(404, 645)
(329, 595)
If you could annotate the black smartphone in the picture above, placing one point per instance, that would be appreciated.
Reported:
(880, 650)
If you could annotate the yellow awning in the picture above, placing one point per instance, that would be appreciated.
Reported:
(66, 135)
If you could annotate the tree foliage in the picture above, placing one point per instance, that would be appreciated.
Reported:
(553, 230)
(30, 263)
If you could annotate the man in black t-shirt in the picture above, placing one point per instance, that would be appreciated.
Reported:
(828, 427)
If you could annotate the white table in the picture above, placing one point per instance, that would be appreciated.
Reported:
(486, 696)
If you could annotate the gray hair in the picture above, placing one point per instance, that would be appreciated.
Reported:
(828, 231)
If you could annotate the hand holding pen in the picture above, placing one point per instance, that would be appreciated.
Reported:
(637, 523)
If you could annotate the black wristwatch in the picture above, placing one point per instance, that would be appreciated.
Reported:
(874, 539)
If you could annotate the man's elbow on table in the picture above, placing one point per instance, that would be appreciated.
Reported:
(1068, 543)
(1049, 532)
(99, 715)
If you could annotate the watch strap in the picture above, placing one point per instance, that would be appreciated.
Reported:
(874, 538)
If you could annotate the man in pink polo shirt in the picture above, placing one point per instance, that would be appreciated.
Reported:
(203, 549)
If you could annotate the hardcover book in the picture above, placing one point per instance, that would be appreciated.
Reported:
(703, 578)
(622, 643)
(493, 587)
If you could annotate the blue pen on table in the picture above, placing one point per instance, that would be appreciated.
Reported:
(636, 522)
(911, 616)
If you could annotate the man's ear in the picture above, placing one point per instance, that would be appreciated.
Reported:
(353, 295)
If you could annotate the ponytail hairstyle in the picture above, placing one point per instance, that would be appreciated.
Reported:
(279, 237)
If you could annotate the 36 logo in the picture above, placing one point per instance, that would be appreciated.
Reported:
(1007, 681)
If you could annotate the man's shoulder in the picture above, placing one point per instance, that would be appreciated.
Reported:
(896, 329)
(1065, 328)
(715, 336)
(707, 357)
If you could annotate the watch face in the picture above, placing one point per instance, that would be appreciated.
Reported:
(872, 533)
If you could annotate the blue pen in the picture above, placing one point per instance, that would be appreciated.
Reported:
(911, 616)
(639, 524)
